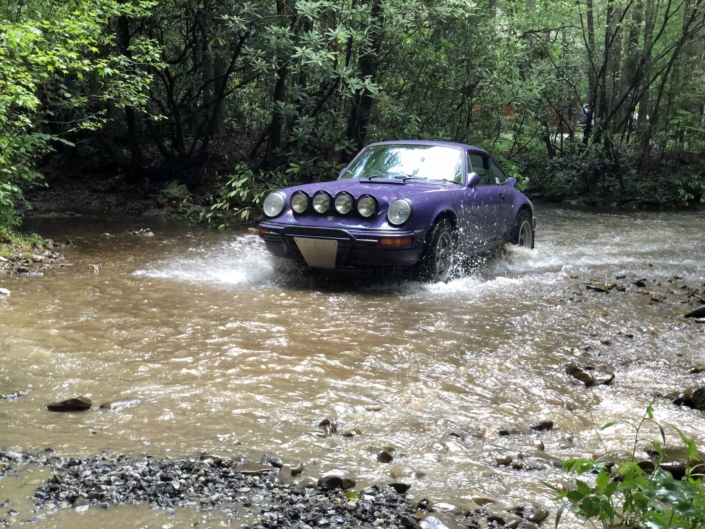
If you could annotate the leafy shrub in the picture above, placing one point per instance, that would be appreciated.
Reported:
(633, 495)
(241, 196)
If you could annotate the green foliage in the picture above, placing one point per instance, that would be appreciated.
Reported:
(243, 193)
(53, 64)
(630, 496)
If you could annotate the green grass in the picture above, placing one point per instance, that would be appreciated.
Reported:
(13, 244)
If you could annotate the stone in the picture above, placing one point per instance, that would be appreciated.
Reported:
(80, 502)
(504, 461)
(385, 457)
(696, 370)
(697, 313)
(577, 372)
(542, 426)
(401, 488)
(37, 258)
(695, 398)
(298, 469)
(640, 283)
(598, 288)
(252, 468)
(352, 433)
(332, 482)
(285, 477)
(4, 292)
(373, 408)
(71, 405)
(431, 522)
(118, 405)
(15, 395)
(22, 270)
(396, 472)
(276, 462)
(306, 483)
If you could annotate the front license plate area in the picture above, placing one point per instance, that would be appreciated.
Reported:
(318, 253)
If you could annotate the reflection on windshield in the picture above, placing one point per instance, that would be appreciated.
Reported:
(418, 162)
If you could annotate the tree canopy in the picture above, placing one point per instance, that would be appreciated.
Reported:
(594, 96)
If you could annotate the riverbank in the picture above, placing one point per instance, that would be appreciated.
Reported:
(257, 495)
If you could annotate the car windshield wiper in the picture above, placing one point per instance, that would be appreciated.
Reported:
(387, 175)
(430, 179)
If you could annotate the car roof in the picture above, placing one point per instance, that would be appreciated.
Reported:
(453, 144)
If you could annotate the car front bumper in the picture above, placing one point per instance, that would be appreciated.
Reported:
(356, 248)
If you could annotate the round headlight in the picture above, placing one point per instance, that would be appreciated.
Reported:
(321, 202)
(274, 204)
(343, 203)
(399, 212)
(366, 206)
(299, 202)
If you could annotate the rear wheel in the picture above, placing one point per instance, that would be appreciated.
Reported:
(437, 255)
(523, 234)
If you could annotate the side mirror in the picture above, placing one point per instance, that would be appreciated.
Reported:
(473, 180)
(342, 172)
(511, 182)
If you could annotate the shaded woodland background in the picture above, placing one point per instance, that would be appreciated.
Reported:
(240, 97)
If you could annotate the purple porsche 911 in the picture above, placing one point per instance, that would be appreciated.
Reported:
(401, 203)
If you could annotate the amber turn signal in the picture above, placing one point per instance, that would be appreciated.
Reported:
(263, 232)
(396, 241)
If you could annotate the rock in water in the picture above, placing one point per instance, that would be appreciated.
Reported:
(285, 477)
(697, 313)
(75, 404)
(118, 405)
(575, 371)
(385, 457)
(695, 398)
(543, 426)
(401, 488)
(4, 292)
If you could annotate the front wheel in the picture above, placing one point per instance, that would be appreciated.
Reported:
(437, 255)
(523, 234)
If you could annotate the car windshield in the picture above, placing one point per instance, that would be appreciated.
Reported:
(411, 162)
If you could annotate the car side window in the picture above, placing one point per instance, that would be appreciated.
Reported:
(496, 174)
(480, 165)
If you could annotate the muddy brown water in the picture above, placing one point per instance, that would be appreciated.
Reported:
(233, 354)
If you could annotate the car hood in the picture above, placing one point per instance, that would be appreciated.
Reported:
(385, 191)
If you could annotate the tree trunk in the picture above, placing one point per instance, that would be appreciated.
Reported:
(368, 64)
(136, 159)
(642, 124)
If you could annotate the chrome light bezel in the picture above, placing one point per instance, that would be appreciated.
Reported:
(398, 201)
(340, 196)
(280, 209)
(374, 209)
(321, 194)
(308, 202)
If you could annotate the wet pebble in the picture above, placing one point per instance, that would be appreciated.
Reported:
(385, 457)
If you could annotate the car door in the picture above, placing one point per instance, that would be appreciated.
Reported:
(484, 200)
(504, 211)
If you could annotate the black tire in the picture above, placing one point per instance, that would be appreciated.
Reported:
(437, 255)
(523, 233)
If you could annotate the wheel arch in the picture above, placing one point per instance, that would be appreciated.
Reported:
(446, 214)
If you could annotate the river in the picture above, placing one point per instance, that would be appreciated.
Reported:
(232, 354)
